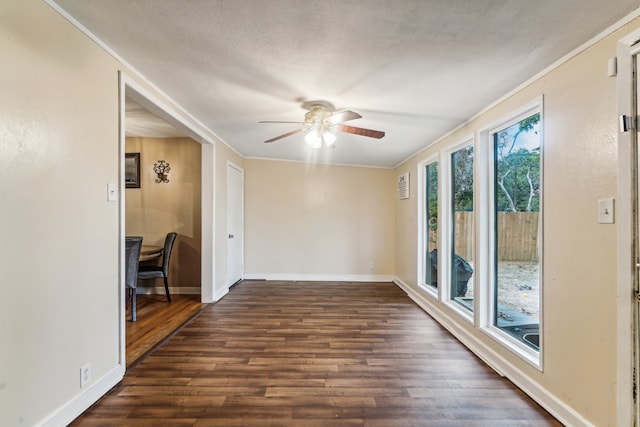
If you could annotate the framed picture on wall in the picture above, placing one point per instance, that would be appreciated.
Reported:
(132, 170)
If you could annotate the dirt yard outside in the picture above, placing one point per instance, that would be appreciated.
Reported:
(519, 287)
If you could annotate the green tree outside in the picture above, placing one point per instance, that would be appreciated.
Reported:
(517, 163)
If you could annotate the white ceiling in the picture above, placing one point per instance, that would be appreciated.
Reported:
(141, 122)
(415, 69)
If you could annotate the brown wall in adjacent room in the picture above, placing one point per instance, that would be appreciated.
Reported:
(155, 209)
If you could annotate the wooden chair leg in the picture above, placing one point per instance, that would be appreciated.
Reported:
(166, 288)
(133, 305)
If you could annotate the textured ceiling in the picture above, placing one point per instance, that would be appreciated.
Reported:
(414, 68)
(141, 122)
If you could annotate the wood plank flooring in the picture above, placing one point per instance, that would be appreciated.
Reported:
(156, 320)
(311, 354)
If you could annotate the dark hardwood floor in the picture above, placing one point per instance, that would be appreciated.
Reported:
(314, 354)
(156, 320)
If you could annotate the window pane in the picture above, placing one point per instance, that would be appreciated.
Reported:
(517, 231)
(431, 225)
(463, 233)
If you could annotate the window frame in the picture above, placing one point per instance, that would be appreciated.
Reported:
(487, 236)
(447, 228)
(423, 246)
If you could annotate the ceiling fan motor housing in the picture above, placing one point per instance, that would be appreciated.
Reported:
(317, 113)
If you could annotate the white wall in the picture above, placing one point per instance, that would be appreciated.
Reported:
(313, 221)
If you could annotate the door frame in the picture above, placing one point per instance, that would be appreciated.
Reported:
(627, 245)
(180, 119)
(231, 165)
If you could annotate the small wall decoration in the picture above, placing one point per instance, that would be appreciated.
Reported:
(403, 186)
(161, 169)
(132, 170)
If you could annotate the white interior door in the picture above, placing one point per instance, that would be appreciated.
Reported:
(235, 223)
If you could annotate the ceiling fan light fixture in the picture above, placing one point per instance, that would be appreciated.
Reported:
(314, 138)
(319, 136)
(329, 138)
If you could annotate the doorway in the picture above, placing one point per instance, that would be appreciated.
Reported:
(176, 118)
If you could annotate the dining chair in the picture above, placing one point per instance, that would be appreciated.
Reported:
(161, 271)
(132, 254)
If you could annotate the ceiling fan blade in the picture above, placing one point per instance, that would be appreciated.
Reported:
(343, 116)
(278, 121)
(284, 135)
(360, 131)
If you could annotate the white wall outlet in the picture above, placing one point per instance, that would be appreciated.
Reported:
(606, 211)
(85, 374)
(371, 265)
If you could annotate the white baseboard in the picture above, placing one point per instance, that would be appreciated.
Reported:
(159, 290)
(82, 401)
(560, 410)
(319, 277)
(220, 293)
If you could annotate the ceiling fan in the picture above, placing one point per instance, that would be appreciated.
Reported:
(321, 122)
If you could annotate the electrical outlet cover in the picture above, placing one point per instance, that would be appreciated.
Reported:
(85, 375)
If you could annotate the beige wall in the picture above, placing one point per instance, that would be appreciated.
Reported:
(60, 253)
(307, 220)
(580, 166)
(153, 210)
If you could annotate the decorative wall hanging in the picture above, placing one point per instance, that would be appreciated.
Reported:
(161, 169)
(403, 186)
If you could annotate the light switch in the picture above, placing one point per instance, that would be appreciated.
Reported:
(605, 211)
(112, 192)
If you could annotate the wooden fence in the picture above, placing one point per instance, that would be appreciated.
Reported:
(517, 236)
